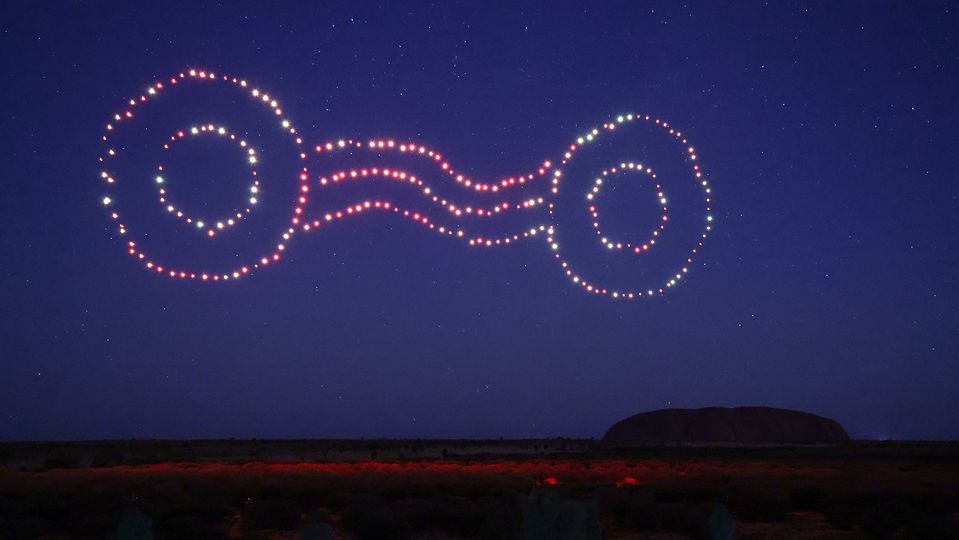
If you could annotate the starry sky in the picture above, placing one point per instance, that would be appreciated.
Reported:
(828, 285)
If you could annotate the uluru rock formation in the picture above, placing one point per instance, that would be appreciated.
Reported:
(750, 425)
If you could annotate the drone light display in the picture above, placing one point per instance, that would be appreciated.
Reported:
(538, 193)
(209, 227)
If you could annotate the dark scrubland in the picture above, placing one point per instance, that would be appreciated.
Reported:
(465, 489)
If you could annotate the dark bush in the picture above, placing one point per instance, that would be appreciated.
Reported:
(372, 520)
(455, 517)
(316, 531)
(546, 515)
(108, 456)
(188, 503)
(143, 456)
(134, 524)
(840, 513)
(459, 518)
(502, 520)
(805, 497)
(272, 514)
(934, 527)
(176, 527)
(691, 520)
(60, 460)
(25, 527)
(883, 519)
(91, 522)
(644, 517)
(640, 508)
(845, 508)
(938, 502)
(630, 506)
(766, 504)
(418, 515)
(686, 494)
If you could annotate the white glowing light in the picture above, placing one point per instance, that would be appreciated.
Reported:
(186, 216)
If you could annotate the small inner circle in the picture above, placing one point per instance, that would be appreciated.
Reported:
(613, 244)
(209, 227)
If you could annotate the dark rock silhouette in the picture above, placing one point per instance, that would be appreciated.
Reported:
(752, 425)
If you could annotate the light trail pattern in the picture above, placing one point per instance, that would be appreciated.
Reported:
(638, 248)
(209, 226)
(546, 178)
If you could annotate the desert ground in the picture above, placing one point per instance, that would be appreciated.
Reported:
(397, 489)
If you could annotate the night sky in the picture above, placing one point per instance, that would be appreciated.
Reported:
(829, 131)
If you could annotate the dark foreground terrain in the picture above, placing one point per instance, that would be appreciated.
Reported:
(558, 488)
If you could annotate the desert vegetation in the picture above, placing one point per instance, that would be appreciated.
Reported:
(106, 490)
